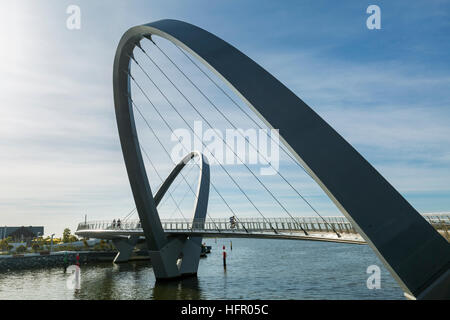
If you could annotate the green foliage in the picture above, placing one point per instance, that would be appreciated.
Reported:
(67, 247)
(66, 235)
(21, 249)
(85, 243)
(103, 246)
(35, 246)
(4, 245)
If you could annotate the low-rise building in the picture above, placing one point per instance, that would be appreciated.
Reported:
(21, 233)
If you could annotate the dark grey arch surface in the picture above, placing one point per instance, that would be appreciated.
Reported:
(416, 255)
(192, 248)
(202, 195)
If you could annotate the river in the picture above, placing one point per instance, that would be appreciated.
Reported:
(256, 269)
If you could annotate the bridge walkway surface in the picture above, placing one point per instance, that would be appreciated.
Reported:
(269, 228)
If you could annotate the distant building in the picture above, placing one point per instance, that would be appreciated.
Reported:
(21, 233)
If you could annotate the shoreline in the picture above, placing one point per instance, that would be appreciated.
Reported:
(54, 259)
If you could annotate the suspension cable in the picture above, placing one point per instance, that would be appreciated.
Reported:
(162, 181)
(129, 214)
(182, 199)
(199, 113)
(165, 199)
(229, 121)
(239, 106)
(184, 120)
(178, 184)
(173, 107)
(164, 148)
(171, 129)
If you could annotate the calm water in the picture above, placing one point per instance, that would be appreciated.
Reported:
(256, 269)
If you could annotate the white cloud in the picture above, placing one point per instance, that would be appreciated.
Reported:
(60, 155)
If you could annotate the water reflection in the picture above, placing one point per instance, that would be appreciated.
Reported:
(256, 269)
(116, 281)
(185, 289)
(133, 280)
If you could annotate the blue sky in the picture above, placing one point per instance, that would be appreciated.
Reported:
(386, 91)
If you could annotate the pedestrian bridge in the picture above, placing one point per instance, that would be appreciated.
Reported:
(149, 64)
(330, 229)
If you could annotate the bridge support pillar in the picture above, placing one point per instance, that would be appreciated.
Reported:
(125, 248)
(191, 256)
(179, 258)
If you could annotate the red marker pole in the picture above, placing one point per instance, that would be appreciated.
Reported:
(224, 258)
(78, 259)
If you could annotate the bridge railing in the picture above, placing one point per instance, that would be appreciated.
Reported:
(438, 218)
(340, 224)
(440, 221)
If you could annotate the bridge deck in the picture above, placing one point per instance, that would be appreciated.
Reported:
(317, 236)
(273, 228)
